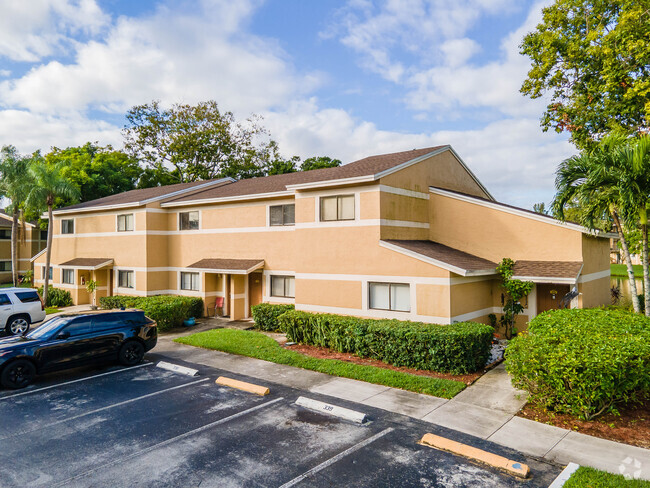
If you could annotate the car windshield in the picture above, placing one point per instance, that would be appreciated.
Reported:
(48, 328)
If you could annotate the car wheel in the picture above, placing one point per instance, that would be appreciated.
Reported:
(17, 325)
(18, 374)
(131, 353)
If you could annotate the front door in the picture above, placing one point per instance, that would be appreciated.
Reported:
(549, 296)
(254, 290)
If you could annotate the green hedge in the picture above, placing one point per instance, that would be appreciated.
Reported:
(583, 362)
(167, 310)
(56, 297)
(459, 348)
(266, 315)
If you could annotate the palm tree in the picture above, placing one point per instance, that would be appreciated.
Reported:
(14, 185)
(591, 179)
(49, 185)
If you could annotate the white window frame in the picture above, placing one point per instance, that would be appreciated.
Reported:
(284, 277)
(178, 220)
(8, 231)
(282, 205)
(117, 222)
(74, 226)
(63, 271)
(198, 280)
(389, 284)
(118, 279)
(43, 273)
(337, 197)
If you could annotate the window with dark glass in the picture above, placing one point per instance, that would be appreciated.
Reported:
(282, 214)
(4, 299)
(5, 266)
(28, 296)
(5, 233)
(67, 226)
(43, 273)
(43, 235)
(188, 220)
(67, 276)
(125, 279)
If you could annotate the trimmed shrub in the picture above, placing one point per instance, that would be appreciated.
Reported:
(56, 297)
(583, 362)
(167, 310)
(458, 348)
(266, 315)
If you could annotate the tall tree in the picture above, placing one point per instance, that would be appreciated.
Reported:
(15, 183)
(540, 208)
(592, 57)
(49, 185)
(198, 141)
(319, 162)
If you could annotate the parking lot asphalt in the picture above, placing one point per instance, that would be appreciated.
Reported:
(145, 426)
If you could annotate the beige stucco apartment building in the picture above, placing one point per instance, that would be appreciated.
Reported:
(29, 244)
(411, 235)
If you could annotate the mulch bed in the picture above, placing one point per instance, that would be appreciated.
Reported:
(631, 427)
(325, 353)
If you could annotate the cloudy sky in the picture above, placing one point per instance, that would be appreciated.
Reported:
(346, 79)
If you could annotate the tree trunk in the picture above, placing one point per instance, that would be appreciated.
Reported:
(14, 248)
(48, 253)
(628, 262)
(646, 270)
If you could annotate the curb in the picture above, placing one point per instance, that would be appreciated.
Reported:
(564, 476)
(341, 412)
(242, 385)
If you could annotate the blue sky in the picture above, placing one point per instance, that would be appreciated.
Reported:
(345, 79)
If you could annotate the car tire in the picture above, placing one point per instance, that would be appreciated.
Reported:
(131, 353)
(18, 325)
(18, 374)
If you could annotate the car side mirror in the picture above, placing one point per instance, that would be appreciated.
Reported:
(63, 335)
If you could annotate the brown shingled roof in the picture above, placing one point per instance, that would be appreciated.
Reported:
(87, 262)
(547, 269)
(232, 265)
(445, 254)
(278, 183)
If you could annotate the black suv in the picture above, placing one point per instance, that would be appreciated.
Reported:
(72, 340)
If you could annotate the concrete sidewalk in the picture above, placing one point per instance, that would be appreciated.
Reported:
(486, 409)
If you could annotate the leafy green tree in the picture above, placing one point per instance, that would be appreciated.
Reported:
(157, 176)
(198, 141)
(50, 184)
(319, 162)
(96, 171)
(540, 208)
(515, 290)
(15, 184)
(592, 57)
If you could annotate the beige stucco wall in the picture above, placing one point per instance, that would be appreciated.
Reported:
(28, 247)
(345, 294)
(433, 300)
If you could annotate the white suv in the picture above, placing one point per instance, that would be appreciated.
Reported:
(19, 308)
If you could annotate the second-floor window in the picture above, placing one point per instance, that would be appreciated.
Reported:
(125, 222)
(282, 214)
(5, 234)
(43, 273)
(339, 207)
(5, 266)
(67, 226)
(67, 276)
(125, 279)
(188, 220)
(43, 235)
(190, 281)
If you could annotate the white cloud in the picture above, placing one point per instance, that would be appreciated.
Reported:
(31, 30)
(458, 51)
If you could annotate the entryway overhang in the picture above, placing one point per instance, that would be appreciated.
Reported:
(556, 272)
(90, 264)
(227, 266)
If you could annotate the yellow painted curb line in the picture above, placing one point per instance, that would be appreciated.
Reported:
(242, 385)
(512, 467)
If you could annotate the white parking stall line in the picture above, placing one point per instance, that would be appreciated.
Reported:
(75, 381)
(336, 458)
(168, 441)
(108, 407)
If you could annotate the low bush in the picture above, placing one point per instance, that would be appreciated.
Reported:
(266, 315)
(167, 310)
(459, 348)
(583, 362)
(56, 297)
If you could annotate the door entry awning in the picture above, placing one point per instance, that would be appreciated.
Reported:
(87, 263)
(566, 272)
(227, 266)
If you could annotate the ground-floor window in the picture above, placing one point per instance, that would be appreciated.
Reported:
(125, 279)
(283, 286)
(5, 266)
(390, 296)
(190, 281)
(67, 276)
(43, 273)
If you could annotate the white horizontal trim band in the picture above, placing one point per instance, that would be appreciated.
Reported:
(595, 276)
(376, 314)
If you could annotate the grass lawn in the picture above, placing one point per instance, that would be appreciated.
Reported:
(20, 285)
(50, 310)
(621, 270)
(592, 478)
(256, 345)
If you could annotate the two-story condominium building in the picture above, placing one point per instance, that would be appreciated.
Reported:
(411, 235)
(30, 242)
